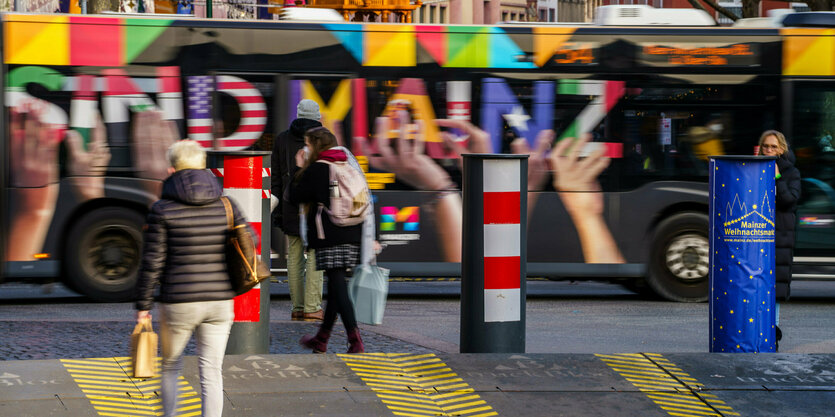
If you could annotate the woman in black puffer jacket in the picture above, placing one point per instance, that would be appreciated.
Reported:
(184, 253)
(773, 143)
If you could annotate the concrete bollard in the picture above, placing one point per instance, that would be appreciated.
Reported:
(245, 176)
(494, 248)
(742, 281)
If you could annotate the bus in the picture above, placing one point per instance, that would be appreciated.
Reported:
(90, 101)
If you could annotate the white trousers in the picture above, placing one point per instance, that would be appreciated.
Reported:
(211, 321)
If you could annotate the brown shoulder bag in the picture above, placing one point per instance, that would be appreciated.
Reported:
(245, 271)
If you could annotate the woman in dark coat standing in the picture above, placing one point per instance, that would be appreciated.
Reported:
(339, 250)
(773, 143)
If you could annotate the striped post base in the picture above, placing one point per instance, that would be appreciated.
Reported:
(494, 254)
(245, 178)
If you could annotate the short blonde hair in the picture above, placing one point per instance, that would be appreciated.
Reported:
(781, 140)
(187, 154)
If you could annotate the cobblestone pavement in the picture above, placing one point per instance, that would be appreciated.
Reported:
(24, 340)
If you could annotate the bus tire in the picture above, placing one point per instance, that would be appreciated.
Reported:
(103, 253)
(679, 258)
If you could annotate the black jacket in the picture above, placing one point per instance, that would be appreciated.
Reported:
(788, 193)
(185, 237)
(285, 147)
(311, 189)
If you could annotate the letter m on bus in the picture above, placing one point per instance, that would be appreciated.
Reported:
(408, 216)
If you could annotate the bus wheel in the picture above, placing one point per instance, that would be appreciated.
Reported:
(103, 253)
(679, 260)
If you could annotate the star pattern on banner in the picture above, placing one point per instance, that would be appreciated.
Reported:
(517, 119)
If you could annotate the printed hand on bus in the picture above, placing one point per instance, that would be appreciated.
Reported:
(537, 162)
(86, 168)
(576, 178)
(150, 139)
(409, 164)
(476, 140)
(34, 147)
(33, 167)
(576, 181)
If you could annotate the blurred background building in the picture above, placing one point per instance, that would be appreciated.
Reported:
(403, 11)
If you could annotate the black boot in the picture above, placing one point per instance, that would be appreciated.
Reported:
(778, 338)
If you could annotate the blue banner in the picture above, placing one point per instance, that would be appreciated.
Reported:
(742, 282)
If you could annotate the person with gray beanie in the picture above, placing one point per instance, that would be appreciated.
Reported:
(304, 280)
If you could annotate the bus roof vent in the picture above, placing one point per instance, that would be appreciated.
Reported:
(810, 19)
(643, 15)
(310, 14)
(629, 12)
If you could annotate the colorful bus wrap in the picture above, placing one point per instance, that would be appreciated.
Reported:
(91, 103)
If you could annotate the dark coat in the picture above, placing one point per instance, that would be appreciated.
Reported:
(785, 219)
(311, 189)
(285, 147)
(185, 240)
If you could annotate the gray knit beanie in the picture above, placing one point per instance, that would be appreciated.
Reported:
(308, 109)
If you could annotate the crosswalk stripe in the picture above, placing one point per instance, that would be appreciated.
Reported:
(417, 385)
(665, 384)
(112, 391)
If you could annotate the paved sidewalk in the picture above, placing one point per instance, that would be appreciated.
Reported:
(429, 384)
(70, 339)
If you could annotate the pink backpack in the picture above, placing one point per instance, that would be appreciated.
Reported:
(349, 195)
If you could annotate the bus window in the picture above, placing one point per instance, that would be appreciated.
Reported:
(811, 139)
(669, 131)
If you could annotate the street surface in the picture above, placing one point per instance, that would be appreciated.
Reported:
(562, 317)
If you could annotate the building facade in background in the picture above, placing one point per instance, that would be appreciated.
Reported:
(477, 12)
(734, 6)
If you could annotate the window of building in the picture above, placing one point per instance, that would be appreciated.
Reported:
(552, 15)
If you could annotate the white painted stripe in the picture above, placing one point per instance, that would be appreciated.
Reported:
(501, 175)
(502, 305)
(249, 200)
(501, 240)
(199, 122)
(146, 85)
(242, 92)
(244, 135)
(83, 113)
(822, 259)
(171, 104)
(253, 121)
(201, 137)
(252, 106)
(591, 87)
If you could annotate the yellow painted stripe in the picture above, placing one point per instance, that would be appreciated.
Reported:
(417, 385)
(665, 384)
(112, 391)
